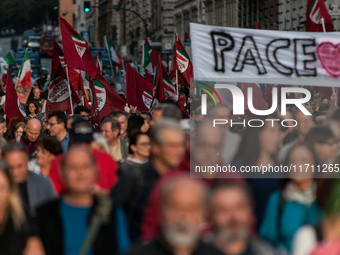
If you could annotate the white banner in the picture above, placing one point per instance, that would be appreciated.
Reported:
(225, 54)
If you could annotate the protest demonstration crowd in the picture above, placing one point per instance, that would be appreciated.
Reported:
(92, 167)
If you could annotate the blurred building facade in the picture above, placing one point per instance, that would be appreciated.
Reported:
(67, 9)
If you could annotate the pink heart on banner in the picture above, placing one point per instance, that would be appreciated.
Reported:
(329, 56)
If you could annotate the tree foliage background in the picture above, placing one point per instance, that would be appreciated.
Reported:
(25, 14)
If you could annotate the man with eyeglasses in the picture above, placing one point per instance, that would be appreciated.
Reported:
(56, 126)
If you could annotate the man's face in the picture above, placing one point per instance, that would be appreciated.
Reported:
(157, 115)
(53, 126)
(182, 215)
(3, 129)
(36, 93)
(18, 163)
(32, 133)
(79, 172)
(85, 115)
(107, 132)
(146, 117)
(305, 123)
(172, 150)
(231, 214)
(123, 123)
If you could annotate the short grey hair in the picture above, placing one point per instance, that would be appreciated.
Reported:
(170, 111)
(101, 141)
(156, 134)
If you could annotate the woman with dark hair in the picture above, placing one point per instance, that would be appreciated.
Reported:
(14, 231)
(137, 124)
(32, 111)
(139, 150)
(259, 147)
(18, 130)
(294, 205)
(11, 127)
(324, 143)
(48, 148)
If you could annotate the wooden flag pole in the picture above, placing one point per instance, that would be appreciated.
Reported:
(69, 89)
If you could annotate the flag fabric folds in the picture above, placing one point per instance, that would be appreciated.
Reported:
(25, 71)
(182, 62)
(316, 10)
(138, 90)
(76, 50)
(12, 109)
(111, 50)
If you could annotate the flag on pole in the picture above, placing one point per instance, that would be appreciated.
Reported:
(25, 71)
(57, 57)
(138, 90)
(8, 59)
(58, 92)
(104, 99)
(181, 62)
(146, 57)
(12, 103)
(158, 88)
(111, 50)
(99, 63)
(316, 10)
(76, 50)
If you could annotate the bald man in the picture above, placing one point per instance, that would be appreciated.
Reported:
(30, 136)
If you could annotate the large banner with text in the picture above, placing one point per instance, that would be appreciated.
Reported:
(265, 56)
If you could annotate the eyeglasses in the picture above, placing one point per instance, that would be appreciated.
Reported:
(19, 132)
(144, 144)
(330, 143)
(51, 124)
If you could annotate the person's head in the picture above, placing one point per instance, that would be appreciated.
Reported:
(78, 169)
(33, 128)
(57, 123)
(36, 93)
(222, 112)
(182, 210)
(19, 129)
(325, 145)
(48, 148)
(324, 100)
(83, 111)
(17, 159)
(231, 211)
(3, 127)
(259, 140)
(305, 123)
(167, 143)
(147, 116)
(32, 108)
(110, 129)
(167, 110)
(10, 203)
(121, 117)
(207, 146)
(323, 109)
(303, 156)
(139, 145)
(81, 131)
(11, 125)
(137, 124)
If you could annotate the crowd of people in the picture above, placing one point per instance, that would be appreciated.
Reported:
(131, 187)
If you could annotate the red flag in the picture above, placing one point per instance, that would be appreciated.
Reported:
(98, 63)
(158, 87)
(76, 50)
(81, 92)
(12, 102)
(327, 92)
(105, 101)
(58, 57)
(121, 63)
(181, 62)
(58, 92)
(316, 10)
(138, 90)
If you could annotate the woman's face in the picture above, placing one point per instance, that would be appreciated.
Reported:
(32, 108)
(44, 157)
(18, 132)
(270, 137)
(142, 147)
(145, 126)
(302, 160)
(4, 191)
(327, 150)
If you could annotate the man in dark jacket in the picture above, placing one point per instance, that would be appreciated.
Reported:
(182, 209)
(65, 223)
